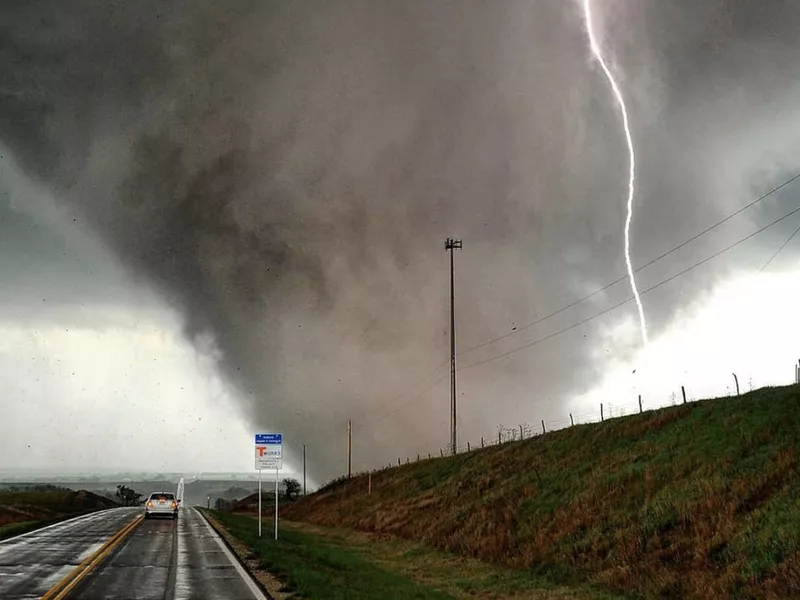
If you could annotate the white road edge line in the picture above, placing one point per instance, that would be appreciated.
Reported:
(257, 593)
(89, 516)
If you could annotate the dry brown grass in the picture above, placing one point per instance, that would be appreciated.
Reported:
(694, 501)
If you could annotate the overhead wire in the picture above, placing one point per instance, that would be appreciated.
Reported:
(413, 396)
(384, 415)
(410, 395)
(779, 250)
(644, 266)
(619, 304)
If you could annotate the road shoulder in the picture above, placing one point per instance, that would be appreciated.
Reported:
(244, 553)
(322, 562)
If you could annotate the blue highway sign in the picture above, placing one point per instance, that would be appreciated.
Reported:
(269, 439)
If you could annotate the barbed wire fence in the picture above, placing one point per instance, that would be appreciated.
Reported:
(504, 434)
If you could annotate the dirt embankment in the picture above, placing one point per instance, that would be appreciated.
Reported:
(20, 507)
(692, 501)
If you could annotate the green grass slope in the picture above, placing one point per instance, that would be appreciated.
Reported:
(694, 501)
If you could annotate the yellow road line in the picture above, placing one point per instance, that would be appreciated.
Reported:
(66, 585)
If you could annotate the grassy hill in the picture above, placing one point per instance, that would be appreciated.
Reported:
(695, 501)
(23, 511)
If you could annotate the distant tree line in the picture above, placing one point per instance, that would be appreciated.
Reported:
(128, 496)
(290, 492)
(35, 487)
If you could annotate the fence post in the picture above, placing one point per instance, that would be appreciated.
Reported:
(468, 448)
(571, 420)
(736, 379)
(417, 457)
(369, 484)
(441, 452)
(520, 433)
(543, 427)
(683, 391)
(429, 455)
(601, 412)
(481, 441)
(499, 438)
(640, 404)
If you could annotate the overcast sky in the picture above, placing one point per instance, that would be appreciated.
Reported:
(217, 219)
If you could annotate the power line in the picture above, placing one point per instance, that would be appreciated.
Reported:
(650, 289)
(385, 415)
(779, 250)
(644, 266)
(412, 396)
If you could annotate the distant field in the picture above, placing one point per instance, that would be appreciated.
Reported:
(24, 511)
(695, 501)
(195, 492)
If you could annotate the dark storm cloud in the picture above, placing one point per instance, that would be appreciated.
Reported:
(285, 174)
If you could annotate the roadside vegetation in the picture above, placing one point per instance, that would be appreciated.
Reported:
(23, 511)
(318, 562)
(128, 496)
(700, 500)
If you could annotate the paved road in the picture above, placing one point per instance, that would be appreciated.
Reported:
(168, 560)
(33, 563)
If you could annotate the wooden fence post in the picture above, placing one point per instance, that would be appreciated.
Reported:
(499, 438)
(481, 441)
(601, 412)
(468, 448)
(683, 391)
(520, 433)
(543, 427)
(369, 484)
(571, 420)
(398, 461)
(640, 404)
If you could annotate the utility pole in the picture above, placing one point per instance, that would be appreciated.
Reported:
(451, 244)
(349, 449)
(304, 469)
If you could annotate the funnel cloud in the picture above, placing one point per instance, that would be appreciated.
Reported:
(284, 174)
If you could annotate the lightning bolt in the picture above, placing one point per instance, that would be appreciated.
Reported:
(587, 10)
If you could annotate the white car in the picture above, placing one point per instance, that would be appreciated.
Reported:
(161, 504)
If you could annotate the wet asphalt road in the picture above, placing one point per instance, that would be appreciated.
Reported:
(167, 560)
(32, 564)
(162, 559)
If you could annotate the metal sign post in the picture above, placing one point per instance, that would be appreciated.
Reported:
(269, 455)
